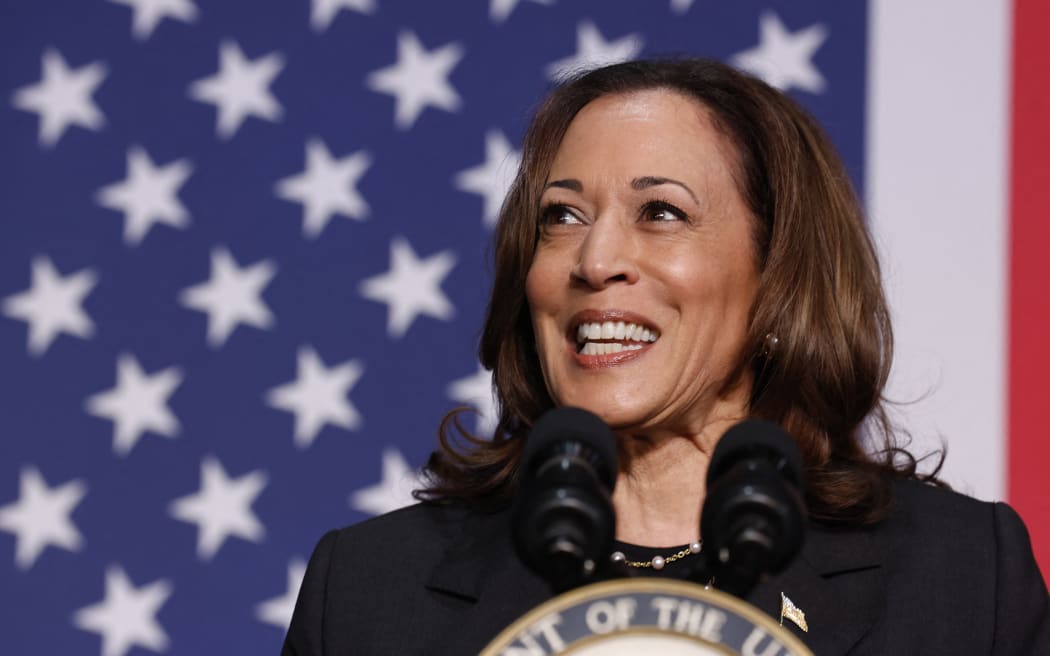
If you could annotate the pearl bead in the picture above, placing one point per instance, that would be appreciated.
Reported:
(695, 547)
(658, 562)
(618, 557)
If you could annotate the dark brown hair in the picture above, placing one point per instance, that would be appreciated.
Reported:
(820, 294)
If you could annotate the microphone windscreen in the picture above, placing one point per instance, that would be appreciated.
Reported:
(757, 438)
(574, 425)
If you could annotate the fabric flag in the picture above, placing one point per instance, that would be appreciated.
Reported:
(244, 260)
(956, 186)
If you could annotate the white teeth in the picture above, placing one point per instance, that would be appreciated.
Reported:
(605, 348)
(619, 330)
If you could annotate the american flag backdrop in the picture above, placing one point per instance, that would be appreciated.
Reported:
(244, 259)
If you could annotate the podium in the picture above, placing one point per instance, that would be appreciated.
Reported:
(645, 616)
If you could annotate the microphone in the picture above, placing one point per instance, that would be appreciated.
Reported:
(752, 517)
(563, 523)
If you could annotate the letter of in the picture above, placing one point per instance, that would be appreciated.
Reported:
(601, 617)
(625, 607)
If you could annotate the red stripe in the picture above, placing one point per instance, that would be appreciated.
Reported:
(1029, 378)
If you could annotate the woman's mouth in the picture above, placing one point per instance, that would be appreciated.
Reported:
(607, 337)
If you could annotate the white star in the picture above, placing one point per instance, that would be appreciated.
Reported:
(593, 51)
(476, 391)
(137, 404)
(681, 6)
(63, 97)
(278, 611)
(222, 507)
(784, 60)
(52, 304)
(419, 78)
(318, 396)
(411, 287)
(327, 186)
(500, 9)
(322, 12)
(40, 517)
(147, 195)
(240, 88)
(148, 13)
(391, 493)
(231, 296)
(126, 617)
(492, 178)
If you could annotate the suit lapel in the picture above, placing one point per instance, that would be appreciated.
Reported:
(837, 581)
(479, 558)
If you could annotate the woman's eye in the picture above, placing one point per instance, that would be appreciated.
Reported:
(659, 211)
(558, 215)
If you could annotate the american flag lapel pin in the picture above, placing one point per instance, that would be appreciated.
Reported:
(789, 610)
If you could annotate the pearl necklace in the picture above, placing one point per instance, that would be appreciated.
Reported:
(657, 562)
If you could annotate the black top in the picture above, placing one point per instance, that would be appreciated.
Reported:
(943, 574)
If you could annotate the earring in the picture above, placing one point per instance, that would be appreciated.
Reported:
(769, 345)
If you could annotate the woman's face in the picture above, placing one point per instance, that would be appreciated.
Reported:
(644, 272)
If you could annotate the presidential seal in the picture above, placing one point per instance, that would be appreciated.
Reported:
(645, 616)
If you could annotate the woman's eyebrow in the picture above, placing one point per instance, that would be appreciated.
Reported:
(653, 181)
(638, 184)
(569, 183)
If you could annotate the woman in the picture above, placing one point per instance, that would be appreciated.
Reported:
(681, 250)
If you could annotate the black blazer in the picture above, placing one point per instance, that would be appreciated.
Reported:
(944, 574)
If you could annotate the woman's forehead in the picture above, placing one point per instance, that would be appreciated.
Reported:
(652, 132)
(647, 104)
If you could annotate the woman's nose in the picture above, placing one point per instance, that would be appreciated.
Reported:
(607, 255)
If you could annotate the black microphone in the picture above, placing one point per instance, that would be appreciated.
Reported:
(752, 519)
(563, 521)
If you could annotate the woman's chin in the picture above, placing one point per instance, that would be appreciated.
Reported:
(615, 414)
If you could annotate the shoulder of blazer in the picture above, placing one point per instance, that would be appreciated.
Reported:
(404, 545)
(939, 535)
(419, 527)
(958, 575)
(449, 548)
(866, 589)
(976, 559)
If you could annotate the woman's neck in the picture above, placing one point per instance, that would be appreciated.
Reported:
(661, 486)
(658, 499)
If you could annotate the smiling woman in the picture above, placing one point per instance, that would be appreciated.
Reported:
(682, 250)
(729, 224)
